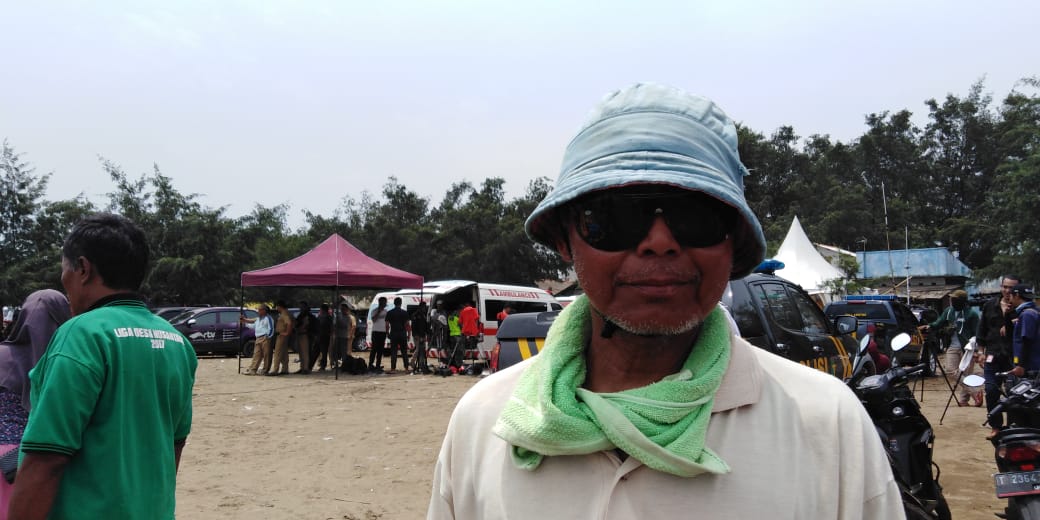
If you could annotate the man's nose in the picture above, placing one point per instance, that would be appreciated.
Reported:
(659, 239)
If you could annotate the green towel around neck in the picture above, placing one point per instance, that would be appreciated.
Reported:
(663, 424)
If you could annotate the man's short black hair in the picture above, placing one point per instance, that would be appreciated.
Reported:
(280, 303)
(397, 301)
(115, 246)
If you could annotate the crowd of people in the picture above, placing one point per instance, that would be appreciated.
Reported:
(323, 340)
(1007, 341)
(327, 340)
(445, 334)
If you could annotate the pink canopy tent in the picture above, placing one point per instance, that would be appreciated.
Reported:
(333, 263)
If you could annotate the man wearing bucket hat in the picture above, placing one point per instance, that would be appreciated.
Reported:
(643, 403)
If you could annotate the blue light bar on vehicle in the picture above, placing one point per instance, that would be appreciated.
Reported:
(769, 266)
(873, 297)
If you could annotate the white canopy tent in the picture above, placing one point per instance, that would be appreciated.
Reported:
(803, 264)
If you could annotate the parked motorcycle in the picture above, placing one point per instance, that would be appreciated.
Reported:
(863, 362)
(905, 433)
(1017, 447)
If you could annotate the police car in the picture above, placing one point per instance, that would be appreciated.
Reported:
(771, 312)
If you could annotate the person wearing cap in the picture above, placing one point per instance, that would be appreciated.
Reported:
(1025, 346)
(963, 319)
(643, 402)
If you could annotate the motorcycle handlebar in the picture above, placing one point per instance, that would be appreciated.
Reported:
(903, 372)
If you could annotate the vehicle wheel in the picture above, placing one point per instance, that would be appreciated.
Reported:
(932, 362)
(1027, 508)
(247, 349)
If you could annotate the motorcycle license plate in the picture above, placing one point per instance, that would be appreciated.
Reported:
(1017, 483)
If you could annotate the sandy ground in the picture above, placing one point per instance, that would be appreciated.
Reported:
(361, 447)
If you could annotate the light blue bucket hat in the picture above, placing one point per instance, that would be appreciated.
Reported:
(654, 134)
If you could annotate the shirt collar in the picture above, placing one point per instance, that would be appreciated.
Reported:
(742, 383)
(111, 298)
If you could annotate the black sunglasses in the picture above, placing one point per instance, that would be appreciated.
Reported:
(618, 220)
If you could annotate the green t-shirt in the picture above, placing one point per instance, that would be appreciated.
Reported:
(454, 329)
(113, 391)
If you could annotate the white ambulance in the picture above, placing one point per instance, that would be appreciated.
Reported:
(490, 298)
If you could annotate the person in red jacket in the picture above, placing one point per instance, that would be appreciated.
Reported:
(501, 316)
(469, 320)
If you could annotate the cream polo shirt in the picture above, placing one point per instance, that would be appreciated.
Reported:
(798, 442)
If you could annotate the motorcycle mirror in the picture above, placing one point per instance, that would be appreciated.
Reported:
(974, 381)
(900, 341)
(864, 343)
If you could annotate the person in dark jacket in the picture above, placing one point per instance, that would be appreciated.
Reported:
(994, 344)
(305, 328)
(1025, 344)
(324, 348)
(398, 328)
(420, 337)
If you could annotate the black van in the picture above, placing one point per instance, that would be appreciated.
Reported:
(890, 317)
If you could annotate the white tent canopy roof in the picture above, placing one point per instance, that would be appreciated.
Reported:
(803, 264)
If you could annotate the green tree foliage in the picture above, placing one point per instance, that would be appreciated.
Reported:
(960, 144)
(28, 225)
(893, 175)
(21, 192)
(1013, 201)
(42, 268)
(196, 251)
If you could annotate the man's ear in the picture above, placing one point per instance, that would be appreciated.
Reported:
(85, 269)
(563, 246)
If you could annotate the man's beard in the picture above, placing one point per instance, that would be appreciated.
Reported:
(654, 329)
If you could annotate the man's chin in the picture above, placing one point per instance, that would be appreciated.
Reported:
(653, 329)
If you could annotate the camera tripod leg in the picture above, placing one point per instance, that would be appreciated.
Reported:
(953, 392)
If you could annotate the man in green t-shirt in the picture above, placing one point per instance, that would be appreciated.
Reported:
(111, 398)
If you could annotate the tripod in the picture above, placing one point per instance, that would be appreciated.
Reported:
(966, 362)
(930, 350)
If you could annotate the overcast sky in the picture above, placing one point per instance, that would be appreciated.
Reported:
(303, 102)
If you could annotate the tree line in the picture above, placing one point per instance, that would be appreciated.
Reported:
(968, 180)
